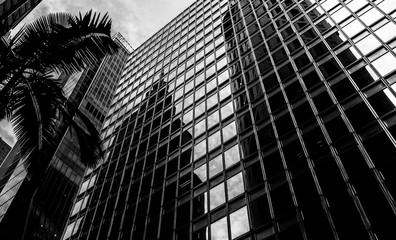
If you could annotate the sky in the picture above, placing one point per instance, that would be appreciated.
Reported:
(136, 20)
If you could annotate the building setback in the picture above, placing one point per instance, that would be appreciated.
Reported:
(252, 120)
(92, 91)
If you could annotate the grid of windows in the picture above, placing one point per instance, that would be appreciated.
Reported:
(253, 120)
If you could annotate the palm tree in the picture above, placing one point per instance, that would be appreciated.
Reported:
(31, 97)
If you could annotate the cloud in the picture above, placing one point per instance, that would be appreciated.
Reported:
(136, 20)
(7, 133)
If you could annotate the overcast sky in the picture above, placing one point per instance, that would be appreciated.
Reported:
(136, 20)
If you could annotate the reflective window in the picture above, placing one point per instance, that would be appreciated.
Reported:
(199, 109)
(201, 172)
(226, 110)
(231, 156)
(199, 128)
(235, 186)
(215, 166)
(217, 196)
(385, 33)
(229, 131)
(239, 222)
(353, 28)
(214, 140)
(385, 64)
(199, 149)
(368, 44)
(213, 119)
(219, 229)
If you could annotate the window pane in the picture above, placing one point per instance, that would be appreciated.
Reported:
(235, 186)
(239, 222)
(217, 196)
(219, 230)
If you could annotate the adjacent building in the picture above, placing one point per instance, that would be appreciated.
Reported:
(4, 150)
(13, 11)
(92, 91)
(254, 119)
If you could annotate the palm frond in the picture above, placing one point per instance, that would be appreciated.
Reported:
(35, 118)
(68, 45)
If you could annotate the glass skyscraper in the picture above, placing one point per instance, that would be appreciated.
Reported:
(252, 119)
(91, 91)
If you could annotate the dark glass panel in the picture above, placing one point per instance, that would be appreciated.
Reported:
(381, 103)
(343, 89)
(302, 61)
(318, 50)
(303, 113)
(254, 176)
(323, 101)
(260, 112)
(316, 222)
(294, 45)
(277, 101)
(294, 90)
(336, 128)
(362, 77)
(279, 56)
(329, 68)
(270, 82)
(359, 115)
(266, 135)
(260, 212)
(284, 124)
(286, 72)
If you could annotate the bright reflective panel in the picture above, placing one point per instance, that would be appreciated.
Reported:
(219, 230)
(199, 109)
(353, 28)
(214, 140)
(213, 119)
(229, 131)
(201, 172)
(235, 186)
(356, 5)
(231, 156)
(226, 110)
(215, 166)
(340, 15)
(225, 92)
(199, 128)
(199, 149)
(387, 6)
(386, 32)
(368, 44)
(239, 222)
(371, 16)
(385, 64)
(217, 196)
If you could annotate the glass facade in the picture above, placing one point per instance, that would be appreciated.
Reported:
(253, 119)
(91, 91)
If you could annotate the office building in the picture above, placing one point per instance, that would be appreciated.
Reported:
(4, 150)
(262, 119)
(92, 91)
(13, 11)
